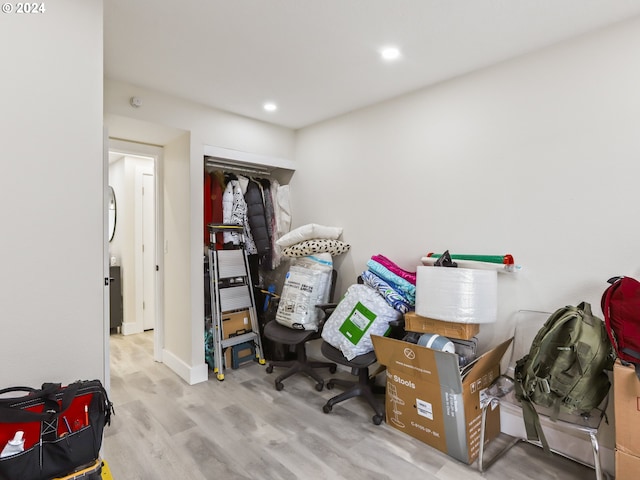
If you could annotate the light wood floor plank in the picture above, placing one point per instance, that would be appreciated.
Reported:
(243, 428)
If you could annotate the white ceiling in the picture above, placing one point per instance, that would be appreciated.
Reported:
(319, 58)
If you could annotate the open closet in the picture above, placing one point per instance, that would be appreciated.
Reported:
(251, 191)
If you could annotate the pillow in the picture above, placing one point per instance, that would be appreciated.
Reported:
(319, 245)
(308, 232)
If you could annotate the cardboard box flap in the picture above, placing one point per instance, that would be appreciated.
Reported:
(422, 363)
(429, 365)
(477, 368)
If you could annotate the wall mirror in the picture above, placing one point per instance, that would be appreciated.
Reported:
(112, 211)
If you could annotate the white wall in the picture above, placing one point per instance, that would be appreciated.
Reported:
(537, 157)
(178, 284)
(183, 128)
(53, 231)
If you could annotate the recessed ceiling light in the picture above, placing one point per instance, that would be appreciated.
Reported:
(270, 107)
(390, 53)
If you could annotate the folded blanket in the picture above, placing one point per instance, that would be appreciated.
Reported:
(393, 298)
(392, 267)
(398, 283)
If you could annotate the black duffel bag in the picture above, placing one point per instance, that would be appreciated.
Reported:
(62, 428)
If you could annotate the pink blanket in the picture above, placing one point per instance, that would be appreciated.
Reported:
(392, 267)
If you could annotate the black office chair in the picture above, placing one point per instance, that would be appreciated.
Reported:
(365, 386)
(297, 340)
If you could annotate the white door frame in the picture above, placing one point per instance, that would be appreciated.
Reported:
(154, 151)
(105, 238)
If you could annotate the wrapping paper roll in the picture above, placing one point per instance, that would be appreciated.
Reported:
(461, 295)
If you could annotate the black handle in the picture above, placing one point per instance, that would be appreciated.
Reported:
(10, 414)
(15, 389)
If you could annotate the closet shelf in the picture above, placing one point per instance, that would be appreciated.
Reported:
(250, 162)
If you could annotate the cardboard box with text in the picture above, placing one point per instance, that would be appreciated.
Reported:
(430, 398)
(626, 395)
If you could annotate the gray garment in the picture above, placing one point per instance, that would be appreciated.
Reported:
(257, 219)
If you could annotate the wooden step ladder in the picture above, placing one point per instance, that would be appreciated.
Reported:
(231, 291)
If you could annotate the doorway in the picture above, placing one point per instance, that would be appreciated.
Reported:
(133, 174)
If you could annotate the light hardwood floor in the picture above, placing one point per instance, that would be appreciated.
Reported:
(242, 428)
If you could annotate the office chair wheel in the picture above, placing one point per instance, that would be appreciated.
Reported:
(330, 385)
(269, 368)
(279, 386)
(377, 419)
(319, 386)
(326, 408)
(333, 369)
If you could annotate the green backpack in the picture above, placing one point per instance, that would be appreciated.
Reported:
(565, 368)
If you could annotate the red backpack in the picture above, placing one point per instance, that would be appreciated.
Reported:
(621, 309)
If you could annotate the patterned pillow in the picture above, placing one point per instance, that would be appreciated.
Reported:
(308, 232)
(319, 245)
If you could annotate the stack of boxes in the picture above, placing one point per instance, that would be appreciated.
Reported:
(430, 397)
(235, 323)
(626, 392)
(433, 395)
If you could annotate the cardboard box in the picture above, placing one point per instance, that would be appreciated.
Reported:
(627, 466)
(233, 323)
(626, 394)
(429, 398)
(416, 323)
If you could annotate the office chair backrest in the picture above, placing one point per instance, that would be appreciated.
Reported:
(332, 289)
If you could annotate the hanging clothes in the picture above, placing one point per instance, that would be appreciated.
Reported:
(270, 217)
(214, 185)
(257, 218)
(217, 189)
(282, 211)
(260, 205)
(235, 212)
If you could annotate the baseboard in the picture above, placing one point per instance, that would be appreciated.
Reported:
(129, 328)
(190, 374)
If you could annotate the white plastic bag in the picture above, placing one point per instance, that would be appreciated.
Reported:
(307, 284)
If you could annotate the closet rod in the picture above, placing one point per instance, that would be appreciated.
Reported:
(236, 168)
